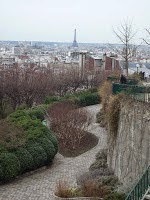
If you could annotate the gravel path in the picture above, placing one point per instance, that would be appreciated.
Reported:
(41, 184)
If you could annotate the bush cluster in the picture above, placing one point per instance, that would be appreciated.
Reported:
(87, 99)
(38, 148)
(84, 98)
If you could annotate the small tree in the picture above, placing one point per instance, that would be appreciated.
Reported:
(69, 123)
(125, 34)
(147, 39)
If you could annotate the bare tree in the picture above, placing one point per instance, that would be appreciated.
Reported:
(147, 39)
(126, 34)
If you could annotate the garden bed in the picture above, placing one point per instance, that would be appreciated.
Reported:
(87, 142)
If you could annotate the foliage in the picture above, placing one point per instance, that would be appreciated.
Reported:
(109, 180)
(51, 99)
(62, 190)
(90, 188)
(115, 196)
(83, 98)
(10, 166)
(101, 160)
(87, 99)
(38, 154)
(100, 118)
(105, 92)
(22, 106)
(48, 146)
(37, 113)
(113, 113)
(32, 143)
(95, 174)
(25, 159)
(10, 135)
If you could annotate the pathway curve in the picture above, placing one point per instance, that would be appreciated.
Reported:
(41, 184)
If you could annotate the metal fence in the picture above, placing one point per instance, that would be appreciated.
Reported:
(139, 190)
(139, 93)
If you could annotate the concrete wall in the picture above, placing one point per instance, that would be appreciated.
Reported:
(129, 154)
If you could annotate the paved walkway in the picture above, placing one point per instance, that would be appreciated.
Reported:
(41, 185)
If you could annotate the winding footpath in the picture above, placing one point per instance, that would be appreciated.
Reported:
(41, 184)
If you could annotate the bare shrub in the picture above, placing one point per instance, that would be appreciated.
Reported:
(90, 188)
(62, 189)
(94, 175)
(69, 123)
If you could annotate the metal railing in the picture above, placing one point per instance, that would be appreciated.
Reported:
(139, 93)
(139, 190)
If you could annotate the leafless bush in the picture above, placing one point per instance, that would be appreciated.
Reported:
(69, 123)
(62, 189)
(94, 175)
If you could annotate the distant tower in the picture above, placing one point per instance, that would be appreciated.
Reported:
(75, 44)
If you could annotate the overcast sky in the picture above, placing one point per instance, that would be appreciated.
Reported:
(55, 20)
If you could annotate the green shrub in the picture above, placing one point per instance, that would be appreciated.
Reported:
(37, 113)
(38, 154)
(10, 166)
(43, 131)
(101, 160)
(27, 123)
(33, 133)
(48, 133)
(48, 146)
(13, 117)
(3, 148)
(51, 99)
(25, 158)
(115, 196)
(110, 180)
(87, 99)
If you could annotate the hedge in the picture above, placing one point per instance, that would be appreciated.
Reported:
(37, 113)
(25, 159)
(49, 148)
(38, 148)
(10, 166)
(83, 98)
(87, 99)
(38, 154)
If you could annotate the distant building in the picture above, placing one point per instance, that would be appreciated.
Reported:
(7, 61)
(110, 63)
(16, 50)
(95, 64)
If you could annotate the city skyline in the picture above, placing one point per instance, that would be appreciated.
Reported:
(55, 21)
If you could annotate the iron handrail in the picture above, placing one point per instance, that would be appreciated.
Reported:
(139, 190)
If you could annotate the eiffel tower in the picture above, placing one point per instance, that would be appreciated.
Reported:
(75, 44)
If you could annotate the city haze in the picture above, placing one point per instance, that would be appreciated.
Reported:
(47, 20)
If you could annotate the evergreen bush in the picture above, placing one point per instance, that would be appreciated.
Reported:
(37, 113)
(10, 166)
(38, 153)
(25, 158)
(48, 146)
